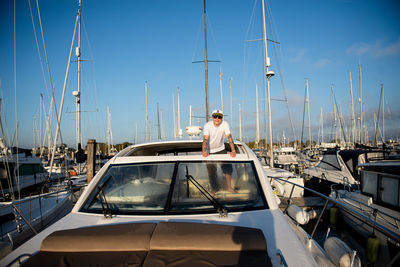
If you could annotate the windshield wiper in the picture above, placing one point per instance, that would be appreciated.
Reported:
(223, 212)
(104, 204)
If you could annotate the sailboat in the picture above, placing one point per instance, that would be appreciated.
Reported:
(21, 218)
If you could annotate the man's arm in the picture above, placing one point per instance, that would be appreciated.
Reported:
(204, 146)
(230, 141)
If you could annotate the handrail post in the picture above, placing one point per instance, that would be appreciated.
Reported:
(22, 216)
(319, 218)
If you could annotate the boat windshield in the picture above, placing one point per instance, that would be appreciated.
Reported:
(176, 188)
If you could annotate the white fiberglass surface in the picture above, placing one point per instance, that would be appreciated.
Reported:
(33, 209)
(176, 188)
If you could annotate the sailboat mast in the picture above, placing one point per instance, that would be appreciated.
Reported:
(257, 120)
(322, 127)
(146, 127)
(158, 122)
(269, 74)
(136, 133)
(240, 123)
(230, 89)
(220, 88)
(353, 119)
(48, 126)
(340, 116)
(190, 115)
(179, 114)
(108, 130)
(205, 61)
(41, 124)
(173, 113)
(334, 114)
(361, 109)
(383, 114)
(78, 97)
(308, 111)
(376, 129)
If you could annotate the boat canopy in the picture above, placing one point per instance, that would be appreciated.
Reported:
(329, 161)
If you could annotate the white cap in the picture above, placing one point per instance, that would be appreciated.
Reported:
(217, 112)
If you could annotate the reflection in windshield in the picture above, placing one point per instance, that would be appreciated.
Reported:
(145, 188)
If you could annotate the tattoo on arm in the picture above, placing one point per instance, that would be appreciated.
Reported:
(204, 146)
(230, 141)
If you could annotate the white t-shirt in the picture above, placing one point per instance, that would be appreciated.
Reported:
(216, 135)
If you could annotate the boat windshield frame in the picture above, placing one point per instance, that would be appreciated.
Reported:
(165, 199)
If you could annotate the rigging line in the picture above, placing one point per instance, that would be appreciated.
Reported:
(5, 162)
(340, 119)
(5, 119)
(63, 94)
(15, 97)
(95, 91)
(48, 65)
(38, 50)
(377, 120)
(250, 27)
(272, 23)
(213, 38)
(197, 38)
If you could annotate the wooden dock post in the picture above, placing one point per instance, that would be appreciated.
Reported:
(91, 159)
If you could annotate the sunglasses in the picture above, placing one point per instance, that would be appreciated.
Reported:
(217, 116)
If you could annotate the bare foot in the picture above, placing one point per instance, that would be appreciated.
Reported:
(212, 192)
(231, 190)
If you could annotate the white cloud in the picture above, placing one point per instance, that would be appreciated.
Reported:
(321, 63)
(299, 55)
(375, 49)
(294, 99)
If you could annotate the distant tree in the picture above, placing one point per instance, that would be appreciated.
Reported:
(252, 145)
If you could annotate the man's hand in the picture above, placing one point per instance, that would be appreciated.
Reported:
(233, 153)
(205, 154)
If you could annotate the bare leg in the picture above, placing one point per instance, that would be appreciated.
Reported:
(228, 180)
(211, 169)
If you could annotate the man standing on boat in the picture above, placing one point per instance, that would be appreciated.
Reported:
(214, 134)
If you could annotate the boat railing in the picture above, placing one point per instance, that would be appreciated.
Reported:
(43, 195)
(23, 208)
(384, 230)
(390, 219)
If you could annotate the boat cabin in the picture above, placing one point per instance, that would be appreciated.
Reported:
(381, 181)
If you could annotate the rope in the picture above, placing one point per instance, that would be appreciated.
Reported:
(38, 50)
(62, 97)
(6, 165)
(48, 66)
(15, 100)
(280, 69)
(377, 119)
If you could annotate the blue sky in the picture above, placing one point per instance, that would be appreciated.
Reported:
(127, 43)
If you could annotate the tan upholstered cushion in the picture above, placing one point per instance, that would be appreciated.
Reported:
(87, 259)
(190, 258)
(117, 237)
(210, 237)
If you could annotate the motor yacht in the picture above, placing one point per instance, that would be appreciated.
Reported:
(157, 203)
